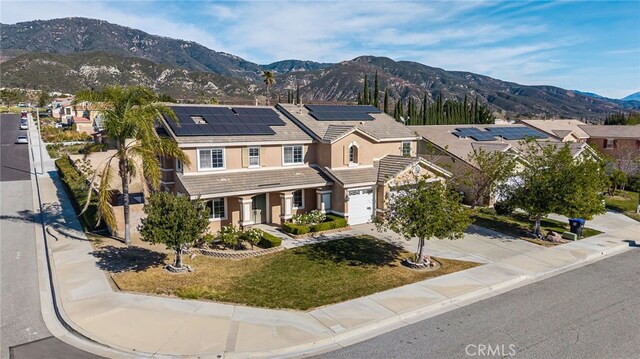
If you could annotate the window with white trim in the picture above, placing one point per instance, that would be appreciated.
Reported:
(292, 155)
(211, 158)
(608, 143)
(179, 166)
(353, 154)
(217, 208)
(297, 199)
(406, 148)
(254, 156)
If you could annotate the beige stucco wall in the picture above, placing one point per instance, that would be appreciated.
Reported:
(270, 156)
(368, 151)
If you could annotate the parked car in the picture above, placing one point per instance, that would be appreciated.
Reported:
(59, 125)
(24, 113)
(22, 139)
(24, 126)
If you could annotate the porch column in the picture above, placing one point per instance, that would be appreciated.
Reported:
(322, 204)
(286, 205)
(246, 217)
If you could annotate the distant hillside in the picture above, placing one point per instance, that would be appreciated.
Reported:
(404, 79)
(71, 73)
(632, 97)
(286, 66)
(74, 53)
(73, 35)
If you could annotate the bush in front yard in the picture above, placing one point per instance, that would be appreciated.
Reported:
(504, 208)
(330, 222)
(295, 228)
(269, 240)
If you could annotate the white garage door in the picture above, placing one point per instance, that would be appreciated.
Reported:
(360, 206)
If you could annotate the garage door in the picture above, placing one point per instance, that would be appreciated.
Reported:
(360, 206)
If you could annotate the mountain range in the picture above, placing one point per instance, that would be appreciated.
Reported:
(70, 54)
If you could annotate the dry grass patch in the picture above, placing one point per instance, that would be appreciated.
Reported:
(300, 278)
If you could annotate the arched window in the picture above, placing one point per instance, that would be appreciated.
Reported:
(353, 154)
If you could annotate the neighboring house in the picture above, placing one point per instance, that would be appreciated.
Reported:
(84, 115)
(450, 146)
(562, 130)
(263, 164)
(620, 142)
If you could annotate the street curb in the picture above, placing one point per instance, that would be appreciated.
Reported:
(63, 327)
(51, 306)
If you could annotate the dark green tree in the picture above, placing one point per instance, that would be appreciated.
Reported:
(424, 211)
(298, 94)
(365, 91)
(386, 101)
(376, 91)
(552, 181)
(174, 221)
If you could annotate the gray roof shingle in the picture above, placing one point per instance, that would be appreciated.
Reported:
(382, 127)
(246, 182)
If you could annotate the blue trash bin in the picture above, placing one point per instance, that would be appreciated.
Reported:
(576, 226)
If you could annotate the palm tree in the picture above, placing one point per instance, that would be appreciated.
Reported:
(269, 80)
(129, 118)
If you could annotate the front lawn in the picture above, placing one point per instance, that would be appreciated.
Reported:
(520, 226)
(301, 278)
(625, 202)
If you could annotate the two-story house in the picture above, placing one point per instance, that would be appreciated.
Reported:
(264, 164)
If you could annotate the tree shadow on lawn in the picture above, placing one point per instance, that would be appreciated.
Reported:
(127, 259)
(354, 251)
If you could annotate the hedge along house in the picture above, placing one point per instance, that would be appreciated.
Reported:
(263, 164)
(450, 146)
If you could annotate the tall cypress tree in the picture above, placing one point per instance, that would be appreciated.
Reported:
(298, 93)
(386, 101)
(359, 98)
(365, 91)
(376, 91)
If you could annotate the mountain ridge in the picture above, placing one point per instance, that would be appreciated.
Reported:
(193, 66)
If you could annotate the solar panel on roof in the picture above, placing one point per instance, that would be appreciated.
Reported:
(516, 133)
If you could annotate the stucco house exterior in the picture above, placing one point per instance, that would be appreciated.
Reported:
(293, 163)
(448, 147)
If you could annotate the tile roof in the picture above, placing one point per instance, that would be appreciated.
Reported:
(442, 137)
(335, 132)
(562, 133)
(390, 166)
(356, 175)
(550, 126)
(381, 172)
(490, 147)
(290, 132)
(383, 127)
(613, 131)
(247, 182)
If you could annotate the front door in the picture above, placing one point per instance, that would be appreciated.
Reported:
(259, 206)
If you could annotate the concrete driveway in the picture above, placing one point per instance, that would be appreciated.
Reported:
(478, 245)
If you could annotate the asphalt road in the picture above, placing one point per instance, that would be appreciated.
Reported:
(590, 312)
(14, 158)
(21, 324)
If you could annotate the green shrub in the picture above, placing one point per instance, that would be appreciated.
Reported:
(504, 208)
(294, 228)
(230, 235)
(269, 240)
(330, 222)
(77, 189)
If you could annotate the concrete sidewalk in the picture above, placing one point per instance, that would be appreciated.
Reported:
(153, 326)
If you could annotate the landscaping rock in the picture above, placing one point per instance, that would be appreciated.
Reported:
(173, 269)
(553, 237)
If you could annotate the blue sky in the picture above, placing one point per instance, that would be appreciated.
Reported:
(589, 46)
